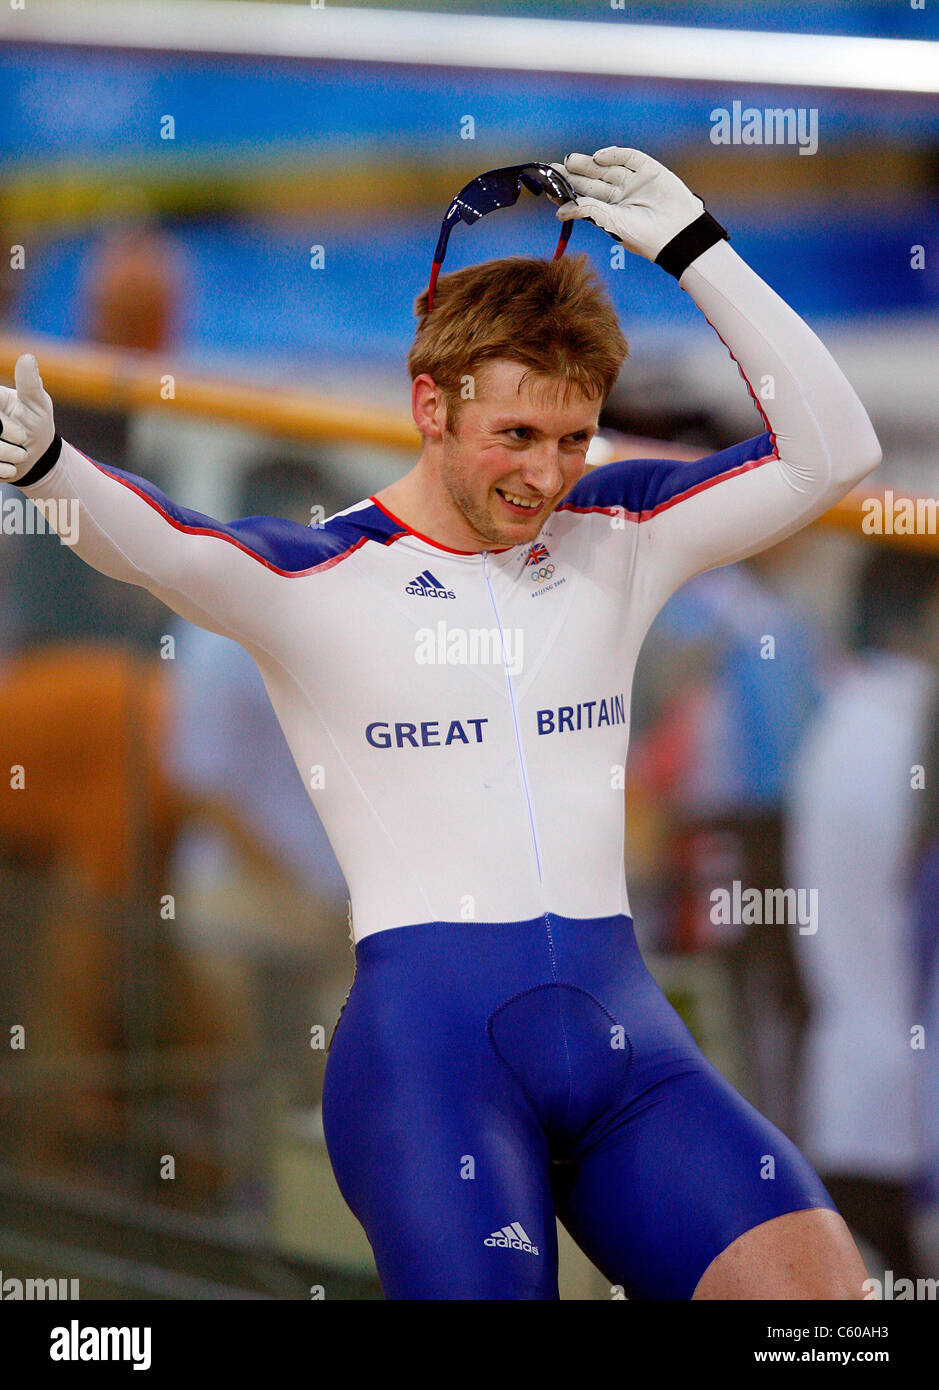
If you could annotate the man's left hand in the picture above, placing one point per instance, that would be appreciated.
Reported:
(631, 196)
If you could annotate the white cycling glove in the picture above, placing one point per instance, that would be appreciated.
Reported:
(27, 428)
(641, 204)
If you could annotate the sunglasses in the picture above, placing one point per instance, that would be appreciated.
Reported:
(500, 188)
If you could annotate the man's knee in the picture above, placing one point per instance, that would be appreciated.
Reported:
(802, 1255)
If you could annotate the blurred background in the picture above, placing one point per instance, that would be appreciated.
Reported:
(215, 219)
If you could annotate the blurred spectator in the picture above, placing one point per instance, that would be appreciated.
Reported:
(855, 803)
(131, 289)
(132, 286)
(737, 663)
(749, 716)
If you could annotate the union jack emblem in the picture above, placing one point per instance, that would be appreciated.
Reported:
(537, 553)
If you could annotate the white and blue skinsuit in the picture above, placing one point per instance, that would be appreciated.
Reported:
(504, 1054)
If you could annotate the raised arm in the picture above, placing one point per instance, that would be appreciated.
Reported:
(818, 441)
(226, 577)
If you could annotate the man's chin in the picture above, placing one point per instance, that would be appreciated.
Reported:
(517, 534)
(514, 530)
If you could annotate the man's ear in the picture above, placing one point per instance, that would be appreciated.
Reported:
(428, 406)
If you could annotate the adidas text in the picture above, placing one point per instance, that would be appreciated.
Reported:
(427, 585)
(512, 1237)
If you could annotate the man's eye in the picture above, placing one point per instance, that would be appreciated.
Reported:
(522, 430)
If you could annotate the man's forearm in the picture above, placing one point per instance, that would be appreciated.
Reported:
(824, 438)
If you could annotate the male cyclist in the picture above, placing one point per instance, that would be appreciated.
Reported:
(456, 655)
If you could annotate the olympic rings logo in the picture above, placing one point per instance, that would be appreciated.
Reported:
(540, 575)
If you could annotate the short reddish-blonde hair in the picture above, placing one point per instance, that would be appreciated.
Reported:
(553, 317)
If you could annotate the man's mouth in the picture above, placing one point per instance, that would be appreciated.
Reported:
(521, 506)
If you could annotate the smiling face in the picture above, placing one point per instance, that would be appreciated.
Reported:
(517, 450)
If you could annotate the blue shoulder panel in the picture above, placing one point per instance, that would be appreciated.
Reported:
(282, 545)
(642, 487)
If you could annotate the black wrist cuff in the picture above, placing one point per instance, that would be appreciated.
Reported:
(44, 465)
(676, 255)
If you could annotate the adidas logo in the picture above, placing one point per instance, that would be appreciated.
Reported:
(512, 1238)
(426, 586)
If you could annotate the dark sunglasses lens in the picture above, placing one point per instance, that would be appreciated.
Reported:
(557, 187)
(541, 178)
(498, 189)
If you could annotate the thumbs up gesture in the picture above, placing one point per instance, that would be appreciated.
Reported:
(26, 424)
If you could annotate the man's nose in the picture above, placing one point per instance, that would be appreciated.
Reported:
(542, 470)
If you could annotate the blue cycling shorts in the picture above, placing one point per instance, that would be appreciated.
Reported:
(484, 1078)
